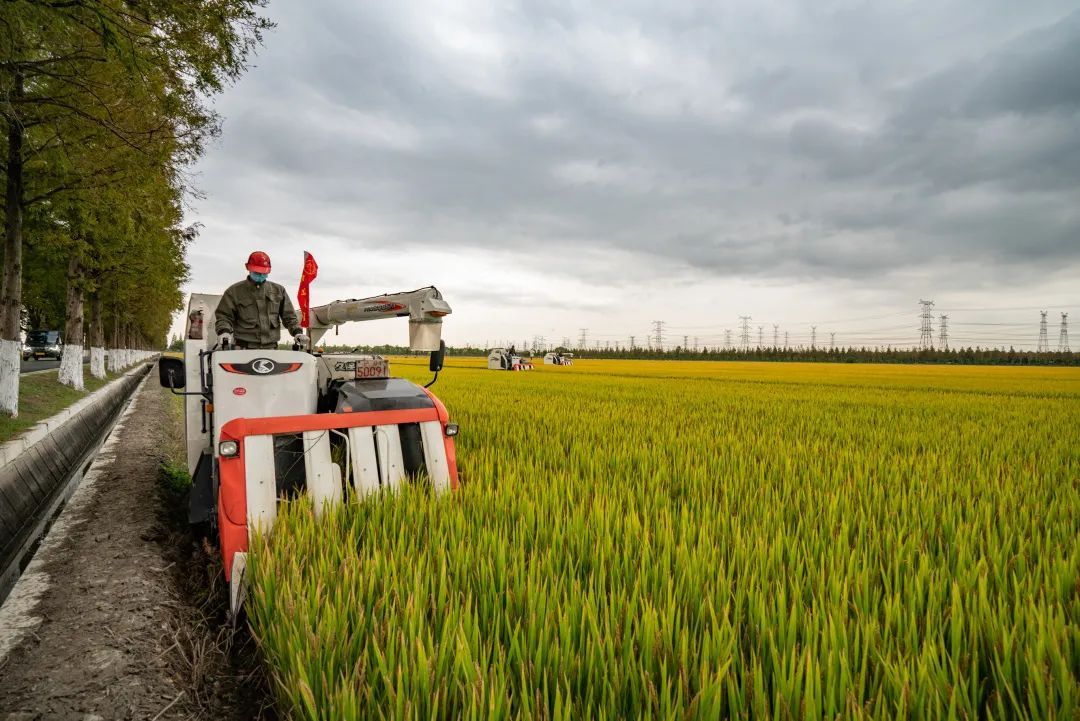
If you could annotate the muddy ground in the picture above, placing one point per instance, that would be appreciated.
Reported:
(133, 622)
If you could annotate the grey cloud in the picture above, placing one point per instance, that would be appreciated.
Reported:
(735, 139)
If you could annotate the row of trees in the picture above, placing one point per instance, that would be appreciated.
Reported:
(954, 356)
(103, 107)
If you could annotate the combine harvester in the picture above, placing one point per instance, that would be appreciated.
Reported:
(507, 359)
(260, 424)
(558, 358)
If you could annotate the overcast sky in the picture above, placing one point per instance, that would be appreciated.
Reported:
(553, 166)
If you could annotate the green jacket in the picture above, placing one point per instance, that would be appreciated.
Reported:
(254, 314)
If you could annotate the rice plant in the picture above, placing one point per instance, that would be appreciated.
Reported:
(701, 540)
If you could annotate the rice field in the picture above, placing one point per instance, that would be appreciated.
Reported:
(701, 540)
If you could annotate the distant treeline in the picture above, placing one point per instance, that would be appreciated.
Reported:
(952, 356)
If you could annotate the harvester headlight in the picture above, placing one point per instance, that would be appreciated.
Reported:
(228, 449)
(451, 429)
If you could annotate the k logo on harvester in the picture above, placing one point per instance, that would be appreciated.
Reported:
(261, 367)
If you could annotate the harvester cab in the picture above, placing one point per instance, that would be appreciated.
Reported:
(265, 425)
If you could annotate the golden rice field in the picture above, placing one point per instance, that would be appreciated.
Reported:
(702, 540)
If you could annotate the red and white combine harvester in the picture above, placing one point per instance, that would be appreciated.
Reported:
(508, 359)
(262, 424)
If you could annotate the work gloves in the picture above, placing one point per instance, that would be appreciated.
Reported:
(226, 340)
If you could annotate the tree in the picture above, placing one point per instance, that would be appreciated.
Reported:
(84, 83)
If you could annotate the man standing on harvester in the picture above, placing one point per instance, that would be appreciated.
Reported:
(252, 312)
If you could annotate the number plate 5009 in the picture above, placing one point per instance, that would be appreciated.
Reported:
(372, 369)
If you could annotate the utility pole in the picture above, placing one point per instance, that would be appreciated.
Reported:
(744, 338)
(727, 337)
(926, 337)
(813, 337)
(775, 336)
(1063, 334)
(943, 331)
(583, 339)
(658, 330)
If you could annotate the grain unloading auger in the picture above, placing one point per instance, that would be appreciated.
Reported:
(261, 424)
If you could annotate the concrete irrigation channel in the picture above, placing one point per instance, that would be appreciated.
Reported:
(111, 611)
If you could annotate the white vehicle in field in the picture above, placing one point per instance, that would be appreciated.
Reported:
(508, 359)
(558, 358)
(260, 424)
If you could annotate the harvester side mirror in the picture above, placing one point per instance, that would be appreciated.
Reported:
(171, 372)
(437, 357)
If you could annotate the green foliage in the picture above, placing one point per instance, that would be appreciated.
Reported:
(175, 476)
(103, 104)
(701, 540)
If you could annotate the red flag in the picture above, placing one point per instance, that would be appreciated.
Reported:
(311, 269)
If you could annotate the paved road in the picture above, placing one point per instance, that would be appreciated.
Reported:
(38, 365)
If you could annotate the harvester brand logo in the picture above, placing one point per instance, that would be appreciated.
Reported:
(261, 367)
(239, 391)
(384, 307)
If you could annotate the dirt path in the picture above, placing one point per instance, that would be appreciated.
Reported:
(115, 639)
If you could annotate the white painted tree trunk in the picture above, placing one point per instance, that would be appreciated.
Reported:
(114, 360)
(10, 359)
(71, 366)
(97, 362)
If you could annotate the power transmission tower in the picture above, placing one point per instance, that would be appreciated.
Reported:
(813, 337)
(775, 336)
(1044, 344)
(943, 332)
(744, 339)
(658, 329)
(685, 342)
(727, 338)
(832, 341)
(926, 337)
(631, 342)
(1063, 334)
(607, 345)
(785, 340)
(695, 344)
(760, 336)
(583, 339)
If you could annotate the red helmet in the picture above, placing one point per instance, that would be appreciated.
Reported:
(258, 262)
